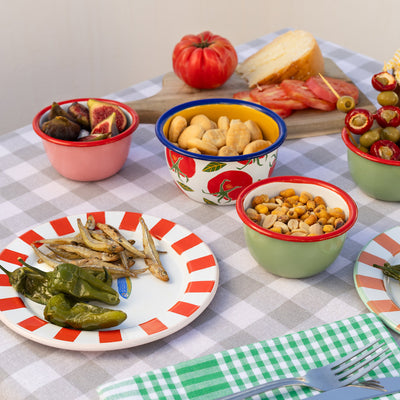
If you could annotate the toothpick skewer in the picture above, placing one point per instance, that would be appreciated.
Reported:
(329, 86)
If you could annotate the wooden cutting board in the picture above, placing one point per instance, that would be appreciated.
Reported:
(300, 124)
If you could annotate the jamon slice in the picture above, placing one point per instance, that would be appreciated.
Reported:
(298, 90)
(245, 95)
(321, 90)
(273, 96)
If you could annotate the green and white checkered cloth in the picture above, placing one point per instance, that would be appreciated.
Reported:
(220, 374)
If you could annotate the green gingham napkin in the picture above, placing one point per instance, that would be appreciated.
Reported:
(219, 374)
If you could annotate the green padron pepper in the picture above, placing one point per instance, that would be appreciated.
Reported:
(62, 311)
(30, 282)
(81, 284)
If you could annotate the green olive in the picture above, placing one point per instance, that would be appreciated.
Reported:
(345, 104)
(388, 98)
(390, 133)
(368, 138)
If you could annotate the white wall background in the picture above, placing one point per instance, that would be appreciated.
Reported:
(52, 50)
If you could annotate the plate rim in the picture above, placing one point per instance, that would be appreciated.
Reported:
(213, 271)
(384, 316)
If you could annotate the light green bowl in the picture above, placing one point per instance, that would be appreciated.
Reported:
(295, 256)
(376, 177)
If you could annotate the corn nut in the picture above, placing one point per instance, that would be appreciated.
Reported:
(296, 214)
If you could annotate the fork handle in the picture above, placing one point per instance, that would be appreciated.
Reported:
(263, 388)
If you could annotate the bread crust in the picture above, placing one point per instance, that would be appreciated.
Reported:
(309, 63)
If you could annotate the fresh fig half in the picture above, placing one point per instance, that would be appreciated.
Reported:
(80, 113)
(106, 126)
(99, 110)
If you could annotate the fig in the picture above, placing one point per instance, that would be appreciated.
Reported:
(61, 127)
(57, 111)
(106, 126)
(99, 110)
(80, 113)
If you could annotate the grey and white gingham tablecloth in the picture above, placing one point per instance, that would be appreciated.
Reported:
(250, 305)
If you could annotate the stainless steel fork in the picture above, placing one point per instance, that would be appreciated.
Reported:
(340, 373)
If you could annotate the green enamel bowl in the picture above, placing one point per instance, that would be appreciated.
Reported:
(376, 177)
(295, 256)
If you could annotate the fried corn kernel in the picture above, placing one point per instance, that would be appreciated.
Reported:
(287, 193)
(262, 208)
(311, 205)
(263, 198)
(304, 197)
(339, 222)
(292, 200)
(328, 228)
(311, 219)
(296, 215)
(276, 229)
(292, 214)
(336, 212)
(319, 201)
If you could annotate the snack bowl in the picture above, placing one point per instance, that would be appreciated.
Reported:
(213, 179)
(287, 255)
(87, 160)
(376, 177)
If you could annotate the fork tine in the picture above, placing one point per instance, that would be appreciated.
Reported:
(352, 355)
(361, 372)
(343, 366)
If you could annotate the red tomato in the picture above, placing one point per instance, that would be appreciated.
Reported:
(204, 61)
(227, 185)
(184, 167)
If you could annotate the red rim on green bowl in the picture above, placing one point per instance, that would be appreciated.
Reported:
(351, 219)
(367, 156)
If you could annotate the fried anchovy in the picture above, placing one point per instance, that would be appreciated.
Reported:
(115, 235)
(115, 270)
(102, 246)
(84, 252)
(152, 259)
(51, 262)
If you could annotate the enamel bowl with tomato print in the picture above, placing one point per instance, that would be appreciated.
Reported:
(218, 180)
(376, 177)
(288, 255)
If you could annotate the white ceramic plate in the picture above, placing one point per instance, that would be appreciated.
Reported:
(155, 308)
(378, 292)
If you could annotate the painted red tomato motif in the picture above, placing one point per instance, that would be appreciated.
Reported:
(227, 185)
(184, 167)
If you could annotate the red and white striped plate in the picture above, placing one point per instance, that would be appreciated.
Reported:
(155, 308)
(378, 292)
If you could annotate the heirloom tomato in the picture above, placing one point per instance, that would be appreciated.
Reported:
(204, 61)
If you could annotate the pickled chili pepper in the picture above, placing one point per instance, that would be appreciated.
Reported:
(81, 284)
(388, 116)
(62, 311)
(30, 282)
(385, 149)
(383, 81)
(359, 121)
